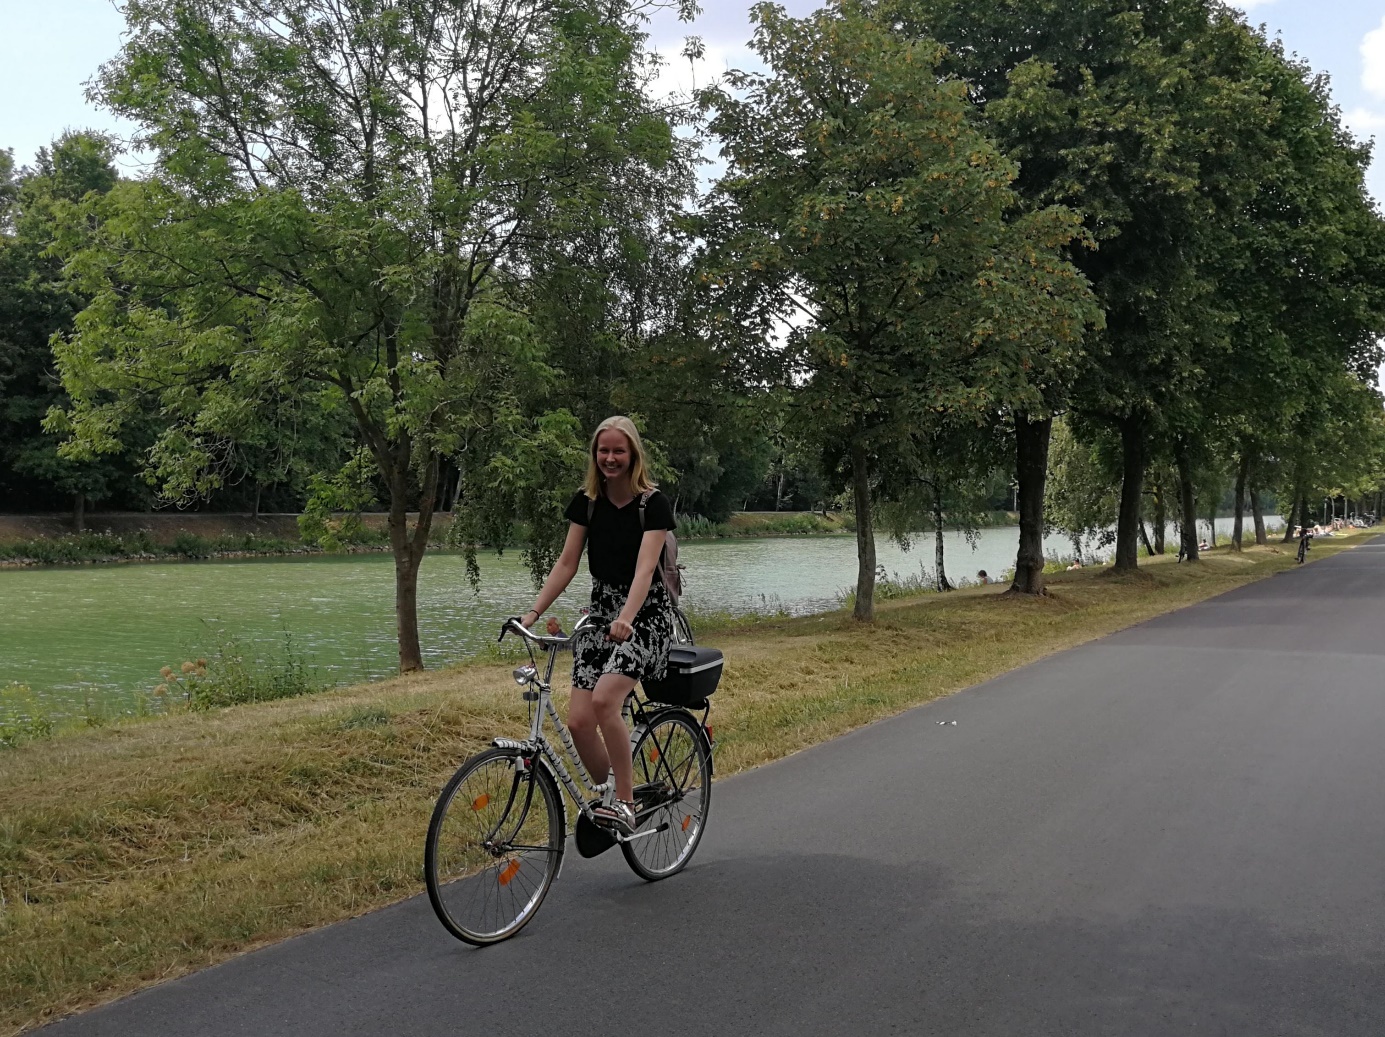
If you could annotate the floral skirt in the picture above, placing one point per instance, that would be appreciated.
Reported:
(644, 656)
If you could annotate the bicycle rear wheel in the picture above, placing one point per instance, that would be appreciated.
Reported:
(673, 787)
(495, 844)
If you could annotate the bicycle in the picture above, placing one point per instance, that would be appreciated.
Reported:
(499, 830)
(1305, 544)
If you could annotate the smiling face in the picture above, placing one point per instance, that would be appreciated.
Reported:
(612, 454)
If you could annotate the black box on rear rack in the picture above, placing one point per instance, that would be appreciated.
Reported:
(692, 676)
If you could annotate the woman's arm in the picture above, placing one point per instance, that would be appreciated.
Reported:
(650, 547)
(564, 569)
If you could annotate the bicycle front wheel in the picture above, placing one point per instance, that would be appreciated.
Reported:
(673, 789)
(495, 844)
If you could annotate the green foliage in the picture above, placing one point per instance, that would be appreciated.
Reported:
(232, 676)
(331, 518)
(1082, 491)
(35, 304)
(865, 209)
(104, 547)
(695, 527)
(318, 233)
(22, 716)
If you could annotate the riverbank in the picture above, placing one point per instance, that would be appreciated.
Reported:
(43, 540)
(140, 851)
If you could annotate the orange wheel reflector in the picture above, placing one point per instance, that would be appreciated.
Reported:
(479, 803)
(653, 752)
(687, 821)
(511, 870)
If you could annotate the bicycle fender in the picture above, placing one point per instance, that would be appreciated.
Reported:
(539, 760)
(542, 761)
(653, 718)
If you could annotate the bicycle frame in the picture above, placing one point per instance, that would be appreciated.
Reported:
(539, 690)
(582, 789)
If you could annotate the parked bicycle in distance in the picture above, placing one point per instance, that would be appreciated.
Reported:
(498, 833)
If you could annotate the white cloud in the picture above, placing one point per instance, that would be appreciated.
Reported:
(1364, 122)
(1250, 5)
(1373, 61)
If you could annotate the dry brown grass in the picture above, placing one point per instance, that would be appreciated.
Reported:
(136, 853)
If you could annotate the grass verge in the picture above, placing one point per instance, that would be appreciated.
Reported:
(141, 851)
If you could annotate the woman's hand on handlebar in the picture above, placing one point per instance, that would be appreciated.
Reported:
(528, 624)
(620, 631)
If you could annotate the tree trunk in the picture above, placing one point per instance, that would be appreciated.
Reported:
(1304, 513)
(779, 490)
(1161, 519)
(1128, 525)
(405, 582)
(1241, 474)
(1031, 472)
(1292, 521)
(1187, 498)
(865, 535)
(942, 583)
(1144, 539)
(1258, 514)
(79, 512)
(1212, 521)
(255, 508)
(408, 556)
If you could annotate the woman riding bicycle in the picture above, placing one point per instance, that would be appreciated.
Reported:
(621, 519)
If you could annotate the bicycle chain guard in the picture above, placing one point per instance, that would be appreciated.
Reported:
(592, 840)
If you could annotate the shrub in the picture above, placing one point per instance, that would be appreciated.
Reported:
(22, 718)
(231, 677)
(694, 526)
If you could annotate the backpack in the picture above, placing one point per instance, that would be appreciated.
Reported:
(670, 572)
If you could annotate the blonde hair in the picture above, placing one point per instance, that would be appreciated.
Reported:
(639, 470)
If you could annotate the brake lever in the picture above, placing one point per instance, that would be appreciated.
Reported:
(505, 628)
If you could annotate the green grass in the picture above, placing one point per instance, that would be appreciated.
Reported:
(143, 849)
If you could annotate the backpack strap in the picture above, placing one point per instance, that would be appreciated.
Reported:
(658, 569)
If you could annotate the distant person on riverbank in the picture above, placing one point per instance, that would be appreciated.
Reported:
(621, 519)
(982, 578)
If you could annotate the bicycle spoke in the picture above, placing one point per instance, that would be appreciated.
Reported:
(673, 757)
(494, 846)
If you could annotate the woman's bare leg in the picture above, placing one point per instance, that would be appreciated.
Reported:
(581, 723)
(606, 701)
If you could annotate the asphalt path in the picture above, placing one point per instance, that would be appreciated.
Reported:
(1175, 830)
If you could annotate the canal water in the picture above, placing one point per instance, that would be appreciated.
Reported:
(93, 638)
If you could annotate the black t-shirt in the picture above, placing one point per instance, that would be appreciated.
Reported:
(614, 534)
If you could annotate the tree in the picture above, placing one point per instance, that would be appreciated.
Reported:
(1082, 500)
(941, 478)
(863, 216)
(35, 304)
(354, 196)
(1109, 107)
(1296, 262)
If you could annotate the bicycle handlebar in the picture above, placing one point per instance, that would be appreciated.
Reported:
(513, 624)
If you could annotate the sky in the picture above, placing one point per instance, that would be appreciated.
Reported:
(50, 48)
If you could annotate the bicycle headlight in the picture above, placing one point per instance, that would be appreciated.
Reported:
(525, 674)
